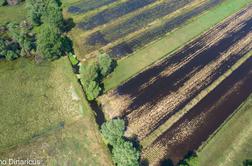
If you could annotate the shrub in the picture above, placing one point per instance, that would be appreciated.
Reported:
(124, 154)
(105, 64)
(113, 130)
(2, 2)
(49, 42)
(190, 160)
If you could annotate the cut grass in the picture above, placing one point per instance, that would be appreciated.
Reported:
(42, 107)
(138, 61)
(232, 144)
(12, 13)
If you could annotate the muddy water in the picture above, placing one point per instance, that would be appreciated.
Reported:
(208, 115)
(163, 86)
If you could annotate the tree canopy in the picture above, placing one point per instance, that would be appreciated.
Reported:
(113, 130)
(49, 43)
(105, 64)
(124, 154)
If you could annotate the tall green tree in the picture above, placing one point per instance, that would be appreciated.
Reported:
(35, 10)
(20, 34)
(53, 15)
(49, 43)
(190, 160)
(105, 64)
(89, 80)
(113, 130)
(2, 2)
(124, 154)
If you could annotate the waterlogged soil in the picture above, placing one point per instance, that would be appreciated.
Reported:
(87, 5)
(152, 97)
(132, 24)
(202, 120)
(144, 38)
(113, 13)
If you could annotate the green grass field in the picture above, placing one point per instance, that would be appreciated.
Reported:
(138, 61)
(232, 144)
(42, 104)
(12, 13)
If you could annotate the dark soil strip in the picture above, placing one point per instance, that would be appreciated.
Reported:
(149, 36)
(165, 85)
(140, 20)
(113, 13)
(87, 5)
(216, 106)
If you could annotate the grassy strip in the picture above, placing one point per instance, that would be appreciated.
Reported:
(12, 13)
(165, 126)
(233, 136)
(138, 61)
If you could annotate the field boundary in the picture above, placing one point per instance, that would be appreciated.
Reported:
(119, 76)
(221, 126)
(159, 131)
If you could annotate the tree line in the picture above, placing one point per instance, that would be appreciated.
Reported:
(41, 35)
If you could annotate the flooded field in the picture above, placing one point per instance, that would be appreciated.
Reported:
(131, 25)
(157, 94)
(202, 120)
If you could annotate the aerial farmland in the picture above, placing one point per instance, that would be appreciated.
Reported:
(126, 82)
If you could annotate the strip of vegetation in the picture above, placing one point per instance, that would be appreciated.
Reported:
(42, 36)
(113, 13)
(130, 66)
(92, 74)
(235, 131)
(139, 21)
(165, 126)
(123, 151)
(144, 38)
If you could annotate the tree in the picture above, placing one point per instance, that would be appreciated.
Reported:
(3, 50)
(113, 130)
(190, 160)
(89, 80)
(53, 15)
(124, 154)
(105, 64)
(2, 2)
(49, 42)
(7, 51)
(89, 72)
(20, 34)
(92, 90)
(35, 10)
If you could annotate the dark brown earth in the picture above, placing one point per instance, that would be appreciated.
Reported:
(207, 115)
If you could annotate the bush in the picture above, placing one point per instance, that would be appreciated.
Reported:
(8, 51)
(124, 154)
(2, 2)
(190, 160)
(113, 130)
(49, 42)
(91, 88)
(89, 80)
(105, 64)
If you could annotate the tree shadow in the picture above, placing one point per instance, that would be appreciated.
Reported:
(69, 24)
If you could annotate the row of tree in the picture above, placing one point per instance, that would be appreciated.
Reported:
(42, 35)
(123, 151)
(92, 74)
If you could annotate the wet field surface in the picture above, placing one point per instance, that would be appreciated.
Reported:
(207, 115)
(130, 46)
